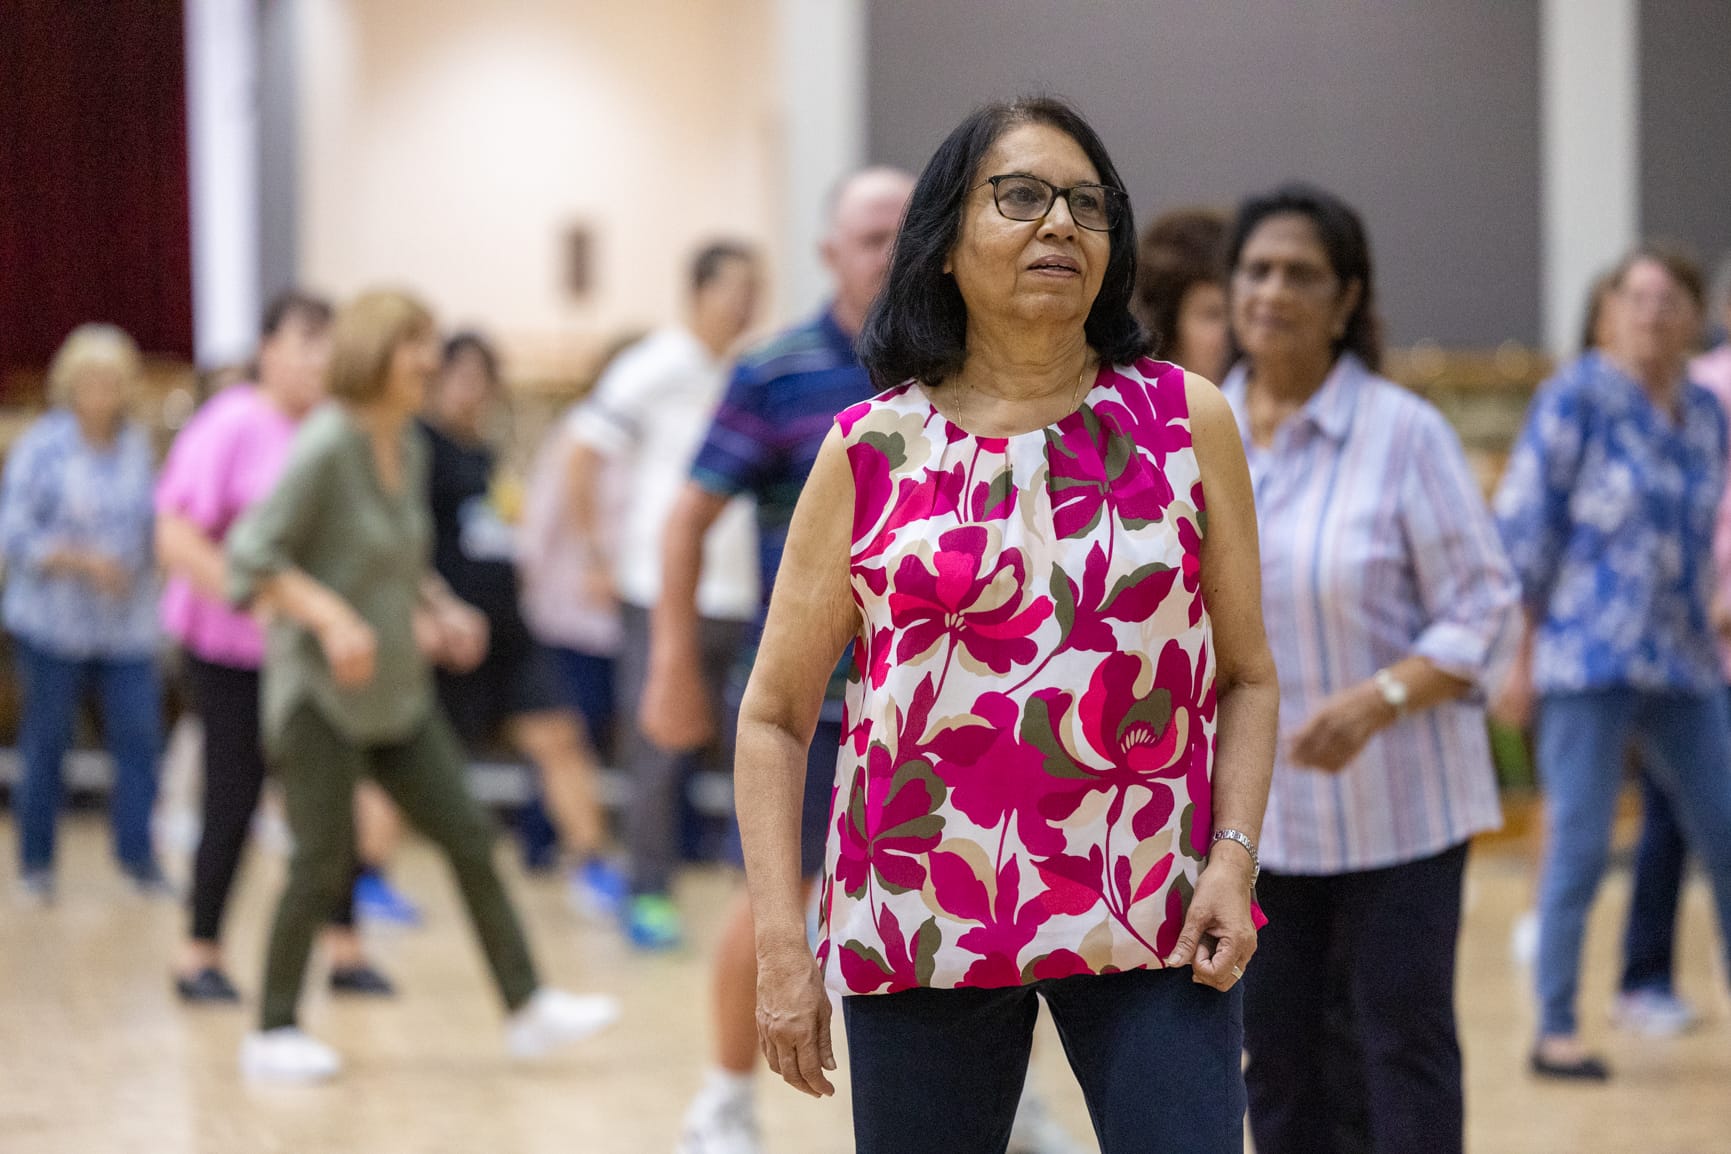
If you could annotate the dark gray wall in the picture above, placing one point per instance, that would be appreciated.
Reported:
(1425, 115)
(279, 150)
(1686, 124)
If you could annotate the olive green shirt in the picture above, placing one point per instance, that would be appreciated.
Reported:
(330, 517)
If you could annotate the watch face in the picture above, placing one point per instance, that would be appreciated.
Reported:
(1393, 691)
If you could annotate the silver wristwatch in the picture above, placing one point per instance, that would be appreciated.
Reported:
(1393, 690)
(1242, 839)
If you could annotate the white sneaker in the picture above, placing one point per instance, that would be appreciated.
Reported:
(1036, 1131)
(722, 1118)
(1653, 1014)
(1524, 939)
(287, 1057)
(554, 1018)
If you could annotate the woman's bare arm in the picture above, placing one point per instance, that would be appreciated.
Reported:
(1247, 692)
(188, 553)
(812, 616)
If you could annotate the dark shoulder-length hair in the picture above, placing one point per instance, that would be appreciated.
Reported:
(1341, 233)
(917, 327)
(471, 341)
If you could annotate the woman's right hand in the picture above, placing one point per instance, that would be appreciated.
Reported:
(350, 647)
(793, 1016)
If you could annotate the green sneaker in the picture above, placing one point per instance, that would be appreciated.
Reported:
(652, 922)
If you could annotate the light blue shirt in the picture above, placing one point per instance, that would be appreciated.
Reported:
(60, 491)
(1608, 510)
(1376, 545)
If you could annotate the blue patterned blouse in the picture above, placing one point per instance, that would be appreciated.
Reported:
(60, 491)
(1607, 511)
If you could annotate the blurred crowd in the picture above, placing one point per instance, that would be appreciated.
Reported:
(357, 595)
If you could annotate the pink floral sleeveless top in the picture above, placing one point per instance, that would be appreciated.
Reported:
(1023, 786)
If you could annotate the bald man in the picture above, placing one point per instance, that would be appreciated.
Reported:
(777, 411)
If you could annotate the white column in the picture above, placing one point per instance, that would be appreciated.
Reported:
(821, 51)
(222, 152)
(1590, 168)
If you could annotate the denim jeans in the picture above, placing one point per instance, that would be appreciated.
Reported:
(1157, 1056)
(1684, 741)
(130, 695)
(1650, 940)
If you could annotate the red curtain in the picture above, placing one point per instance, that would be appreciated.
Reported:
(94, 218)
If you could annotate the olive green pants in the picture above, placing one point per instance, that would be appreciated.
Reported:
(319, 769)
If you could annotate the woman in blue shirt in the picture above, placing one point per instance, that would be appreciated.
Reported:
(80, 600)
(1608, 510)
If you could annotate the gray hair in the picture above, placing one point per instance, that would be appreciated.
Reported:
(91, 346)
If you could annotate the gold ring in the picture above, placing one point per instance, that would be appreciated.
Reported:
(1237, 972)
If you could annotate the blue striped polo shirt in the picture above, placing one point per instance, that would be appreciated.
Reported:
(779, 406)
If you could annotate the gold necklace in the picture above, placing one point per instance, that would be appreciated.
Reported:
(1075, 395)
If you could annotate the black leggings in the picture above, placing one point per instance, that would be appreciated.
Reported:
(226, 700)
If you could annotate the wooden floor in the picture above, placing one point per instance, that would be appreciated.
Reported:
(96, 1056)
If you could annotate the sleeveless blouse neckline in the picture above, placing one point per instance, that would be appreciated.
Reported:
(1102, 379)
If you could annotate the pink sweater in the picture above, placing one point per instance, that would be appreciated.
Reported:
(228, 457)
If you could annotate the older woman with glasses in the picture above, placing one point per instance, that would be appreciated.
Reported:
(1608, 509)
(1391, 608)
(1058, 738)
(80, 603)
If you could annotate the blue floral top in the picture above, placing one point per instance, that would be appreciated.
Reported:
(1607, 511)
(60, 491)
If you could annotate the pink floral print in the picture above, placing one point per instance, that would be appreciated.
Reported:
(1023, 791)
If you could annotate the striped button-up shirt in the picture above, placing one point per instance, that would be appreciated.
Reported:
(1377, 545)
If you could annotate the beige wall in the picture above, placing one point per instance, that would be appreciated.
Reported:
(447, 145)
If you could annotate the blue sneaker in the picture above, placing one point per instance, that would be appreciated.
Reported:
(652, 922)
(377, 900)
(597, 889)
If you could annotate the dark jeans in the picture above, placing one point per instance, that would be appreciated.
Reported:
(130, 695)
(1384, 940)
(1650, 941)
(227, 703)
(423, 774)
(1157, 1056)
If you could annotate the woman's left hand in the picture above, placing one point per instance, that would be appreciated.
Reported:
(465, 634)
(1338, 731)
(1219, 935)
(793, 1013)
(429, 636)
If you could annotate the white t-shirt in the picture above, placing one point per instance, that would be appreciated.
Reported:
(552, 562)
(650, 411)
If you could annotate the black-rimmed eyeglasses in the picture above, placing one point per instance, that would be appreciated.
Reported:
(1094, 207)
